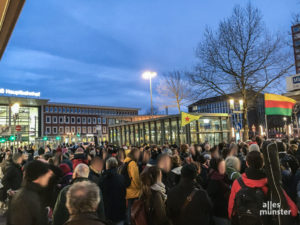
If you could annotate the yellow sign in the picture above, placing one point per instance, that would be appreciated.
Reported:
(186, 118)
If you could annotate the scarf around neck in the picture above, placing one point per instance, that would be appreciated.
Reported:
(160, 187)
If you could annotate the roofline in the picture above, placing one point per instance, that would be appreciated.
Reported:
(88, 106)
(171, 116)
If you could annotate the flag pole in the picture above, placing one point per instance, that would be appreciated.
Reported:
(267, 131)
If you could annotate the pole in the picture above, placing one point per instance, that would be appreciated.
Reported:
(151, 95)
(267, 131)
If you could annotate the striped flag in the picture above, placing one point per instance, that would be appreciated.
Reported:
(278, 105)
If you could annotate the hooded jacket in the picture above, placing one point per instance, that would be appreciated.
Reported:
(134, 190)
(255, 179)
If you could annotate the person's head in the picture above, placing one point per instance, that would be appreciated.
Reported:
(38, 172)
(184, 148)
(146, 156)
(81, 171)
(134, 154)
(215, 152)
(189, 172)
(218, 164)
(151, 176)
(121, 155)
(233, 149)
(254, 147)
(97, 164)
(281, 146)
(111, 163)
(17, 158)
(41, 151)
(294, 147)
(255, 160)
(164, 162)
(207, 147)
(233, 162)
(83, 197)
(176, 161)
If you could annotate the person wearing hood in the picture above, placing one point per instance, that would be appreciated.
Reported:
(233, 166)
(174, 175)
(254, 177)
(218, 189)
(114, 192)
(165, 164)
(27, 206)
(187, 203)
(60, 212)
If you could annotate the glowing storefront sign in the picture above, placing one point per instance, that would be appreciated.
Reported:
(19, 92)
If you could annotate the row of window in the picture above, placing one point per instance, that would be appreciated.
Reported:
(75, 120)
(74, 130)
(55, 109)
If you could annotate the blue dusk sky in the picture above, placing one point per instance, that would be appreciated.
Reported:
(94, 51)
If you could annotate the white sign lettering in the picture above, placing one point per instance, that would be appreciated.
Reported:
(19, 92)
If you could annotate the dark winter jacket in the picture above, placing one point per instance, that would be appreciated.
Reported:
(199, 209)
(219, 190)
(85, 218)
(114, 195)
(60, 212)
(27, 207)
(12, 179)
(94, 176)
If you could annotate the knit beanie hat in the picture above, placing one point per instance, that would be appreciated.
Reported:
(189, 171)
(35, 169)
(65, 168)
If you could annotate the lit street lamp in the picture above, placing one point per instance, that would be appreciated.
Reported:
(148, 75)
(15, 108)
(285, 125)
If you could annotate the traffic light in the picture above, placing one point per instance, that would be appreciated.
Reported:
(45, 138)
(12, 138)
(2, 140)
(78, 134)
(58, 138)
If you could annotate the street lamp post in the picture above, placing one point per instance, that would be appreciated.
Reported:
(285, 125)
(15, 108)
(148, 75)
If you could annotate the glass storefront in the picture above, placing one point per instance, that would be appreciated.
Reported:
(23, 124)
(213, 129)
(153, 133)
(159, 132)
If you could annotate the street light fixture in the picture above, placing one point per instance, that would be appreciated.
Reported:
(15, 108)
(148, 75)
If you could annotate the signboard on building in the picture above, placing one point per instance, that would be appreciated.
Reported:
(19, 92)
(293, 83)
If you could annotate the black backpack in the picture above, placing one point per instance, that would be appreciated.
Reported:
(123, 170)
(247, 205)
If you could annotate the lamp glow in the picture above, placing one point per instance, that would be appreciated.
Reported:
(15, 108)
(149, 75)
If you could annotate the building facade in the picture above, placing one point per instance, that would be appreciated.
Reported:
(233, 105)
(296, 45)
(29, 120)
(211, 127)
(71, 122)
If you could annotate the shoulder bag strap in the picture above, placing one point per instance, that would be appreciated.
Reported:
(189, 199)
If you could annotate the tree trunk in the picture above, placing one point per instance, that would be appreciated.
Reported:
(245, 121)
(178, 107)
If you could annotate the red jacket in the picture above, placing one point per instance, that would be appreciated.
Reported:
(262, 183)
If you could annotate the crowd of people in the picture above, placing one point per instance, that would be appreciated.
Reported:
(144, 185)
